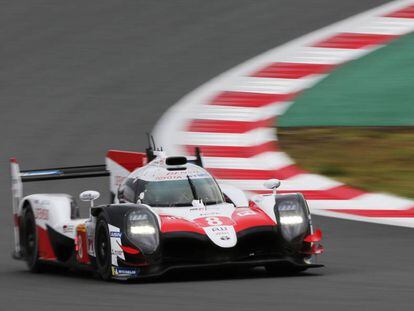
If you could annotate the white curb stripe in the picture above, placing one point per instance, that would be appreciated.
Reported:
(315, 55)
(383, 26)
(226, 113)
(273, 86)
(264, 161)
(251, 138)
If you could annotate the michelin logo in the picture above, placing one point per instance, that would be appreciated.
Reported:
(124, 271)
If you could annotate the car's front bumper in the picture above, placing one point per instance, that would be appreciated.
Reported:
(127, 273)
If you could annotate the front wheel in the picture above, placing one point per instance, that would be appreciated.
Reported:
(103, 248)
(30, 241)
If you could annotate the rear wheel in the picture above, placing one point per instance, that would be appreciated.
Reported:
(103, 248)
(30, 241)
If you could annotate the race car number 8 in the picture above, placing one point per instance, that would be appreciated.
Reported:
(214, 221)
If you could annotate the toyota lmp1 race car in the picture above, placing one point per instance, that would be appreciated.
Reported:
(166, 213)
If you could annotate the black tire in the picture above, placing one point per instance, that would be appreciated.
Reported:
(29, 241)
(284, 269)
(103, 248)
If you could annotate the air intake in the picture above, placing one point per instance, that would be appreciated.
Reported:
(174, 161)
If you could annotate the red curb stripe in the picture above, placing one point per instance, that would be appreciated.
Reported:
(377, 213)
(233, 152)
(354, 40)
(347, 192)
(308, 194)
(246, 99)
(225, 126)
(241, 174)
(292, 70)
(407, 12)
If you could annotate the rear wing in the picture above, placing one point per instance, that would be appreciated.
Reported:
(88, 171)
(19, 177)
(118, 165)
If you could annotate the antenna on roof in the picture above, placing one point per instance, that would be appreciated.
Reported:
(153, 142)
(198, 161)
(150, 150)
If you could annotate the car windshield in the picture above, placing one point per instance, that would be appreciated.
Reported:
(174, 193)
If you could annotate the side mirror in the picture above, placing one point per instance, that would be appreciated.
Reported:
(272, 184)
(89, 195)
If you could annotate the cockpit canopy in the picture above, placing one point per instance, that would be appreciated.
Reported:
(160, 187)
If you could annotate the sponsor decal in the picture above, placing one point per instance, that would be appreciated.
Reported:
(41, 213)
(115, 234)
(222, 232)
(172, 217)
(197, 209)
(246, 213)
(117, 252)
(217, 229)
(68, 228)
(91, 245)
(117, 271)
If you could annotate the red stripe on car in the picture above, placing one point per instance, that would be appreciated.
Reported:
(45, 248)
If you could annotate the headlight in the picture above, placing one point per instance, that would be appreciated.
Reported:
(292, 217)
(291, 220)
(143, 231)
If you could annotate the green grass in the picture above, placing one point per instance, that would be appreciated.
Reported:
(373, 159)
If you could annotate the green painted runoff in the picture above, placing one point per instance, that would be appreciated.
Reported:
(375, 90)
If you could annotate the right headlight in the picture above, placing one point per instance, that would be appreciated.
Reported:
(293, 219)
(142, 230)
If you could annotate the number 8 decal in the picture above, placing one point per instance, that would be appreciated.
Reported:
(214, 221)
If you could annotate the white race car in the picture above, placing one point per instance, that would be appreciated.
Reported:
(166, 213)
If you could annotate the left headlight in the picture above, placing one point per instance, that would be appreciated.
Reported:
(142, 230)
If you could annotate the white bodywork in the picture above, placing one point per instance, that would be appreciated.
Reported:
(54, 210)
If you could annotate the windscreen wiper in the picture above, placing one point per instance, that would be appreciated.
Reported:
(193, 189)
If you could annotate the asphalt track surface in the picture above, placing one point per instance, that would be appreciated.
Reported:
(80, 77)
